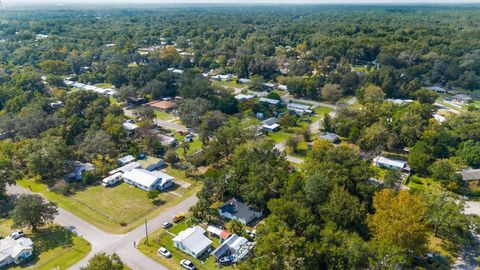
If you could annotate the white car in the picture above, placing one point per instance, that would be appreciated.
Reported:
(166, 225)
(187, 265)
(164, 252)
(16, 235)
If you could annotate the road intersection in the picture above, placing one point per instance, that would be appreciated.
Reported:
(122, 244)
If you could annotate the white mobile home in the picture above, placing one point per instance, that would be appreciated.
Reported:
(112, 179)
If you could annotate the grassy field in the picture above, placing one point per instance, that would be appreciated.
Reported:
(118, 209)
(54, 247)
(231, 84)
(104, 85)
(164, 238)
(193, 146)
(164, 116)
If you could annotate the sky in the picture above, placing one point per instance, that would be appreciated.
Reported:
(9, 2)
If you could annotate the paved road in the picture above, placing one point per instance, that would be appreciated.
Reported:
(122, 244)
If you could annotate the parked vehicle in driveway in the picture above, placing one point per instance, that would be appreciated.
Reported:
(16, 235)
(178, 218)
(164, 252)
(187, 265)
(167, 224)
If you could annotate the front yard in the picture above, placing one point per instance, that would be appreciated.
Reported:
(54, 247)
(163, 238)
(117, 209)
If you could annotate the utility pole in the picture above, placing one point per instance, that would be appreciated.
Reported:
(146, 232)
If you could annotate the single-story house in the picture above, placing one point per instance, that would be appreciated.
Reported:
(41, 36)
(129, 126)
(270, 124)
(462, 99)
(192, 241)
(299, 108)
(268, 86)
(237, 210)
(398, 101)
(439, 118)
(136, 101)
(15, 251)
(167, 140)
(331, 137)
(125, 160)
(148, 180)
(470, 174)
(437, 88)
(235, 245)
(79, 169)
(176, 71)
(222, 234)
(112, 179)
(164, 105)
(126, 168)
(269, 101)
(389, 163)
(282, 87)
(56, 104)
(244, 81)
(152, 163)
(242, 97)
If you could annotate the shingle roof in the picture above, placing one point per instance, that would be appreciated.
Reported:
(237, 208)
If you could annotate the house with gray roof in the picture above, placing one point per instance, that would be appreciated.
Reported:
(462, 99)
(470, 174)
(235, 209)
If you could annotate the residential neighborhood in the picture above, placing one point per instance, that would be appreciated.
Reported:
(279, 135)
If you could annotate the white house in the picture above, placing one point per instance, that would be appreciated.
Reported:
(270, 124)
(389, 163)
(299, 108)
(147, 180)
(242, 97)
(125, 160)
(192, 241)
(235, 245)
(112, 179)
(130, 166)
(15, 251)
(269, 101)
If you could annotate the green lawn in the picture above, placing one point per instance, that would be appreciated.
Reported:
(54, 247)
(104, 85)
(419, 183)
(164, 116)
(193, 146)
(163, 238)
(232, 84)
(117, 209)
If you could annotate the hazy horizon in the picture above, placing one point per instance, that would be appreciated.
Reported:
(236, 2)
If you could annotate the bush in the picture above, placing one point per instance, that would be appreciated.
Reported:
(61, 187)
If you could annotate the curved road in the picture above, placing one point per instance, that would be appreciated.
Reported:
(122, 244)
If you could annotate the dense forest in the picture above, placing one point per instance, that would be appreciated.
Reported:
(322, 214)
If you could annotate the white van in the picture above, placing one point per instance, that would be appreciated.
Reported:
(112, 179)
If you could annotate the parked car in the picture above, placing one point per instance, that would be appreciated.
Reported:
(178, 218)
(164, 252)
(167, 225)
(227, 260)
(16, 235)
(187, 265)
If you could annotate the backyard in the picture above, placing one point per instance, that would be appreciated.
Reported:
(117, 209)
(231, 84)
(54, 247)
